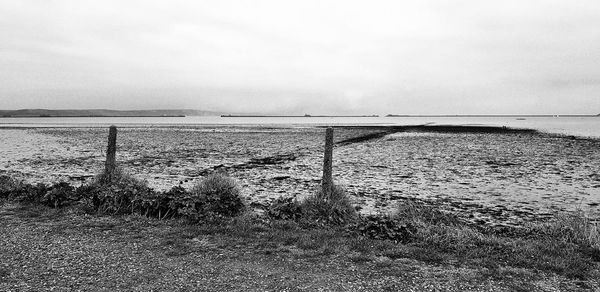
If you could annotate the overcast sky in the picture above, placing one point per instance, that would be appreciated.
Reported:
(319, 57)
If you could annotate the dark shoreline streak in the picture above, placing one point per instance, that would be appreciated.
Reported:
(386, 130)
(304, 116)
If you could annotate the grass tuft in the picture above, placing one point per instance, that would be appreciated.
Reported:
(574, 227)
(215, 196)
(333, 208)
(420, 213)
(115, 193)
(567, 245)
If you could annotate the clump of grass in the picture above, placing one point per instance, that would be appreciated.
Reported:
(21, 191)
(59, 195)
(329, 208)
(115, 193)
(216, 196)
(574, 227)
(438, 229)
(161, 205)
(383, 227)
(420, 213)
(564, 246)
(8, 185)
(284, 208)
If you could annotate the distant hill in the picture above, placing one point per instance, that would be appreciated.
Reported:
(104, 113)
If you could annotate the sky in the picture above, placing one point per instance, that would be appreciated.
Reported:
(296, 57)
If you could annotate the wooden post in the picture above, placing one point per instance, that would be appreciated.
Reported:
(327, 181)
(111, 151)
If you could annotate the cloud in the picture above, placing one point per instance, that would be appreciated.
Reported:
(430, 56)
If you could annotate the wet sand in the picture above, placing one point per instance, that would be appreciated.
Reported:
(492, 176)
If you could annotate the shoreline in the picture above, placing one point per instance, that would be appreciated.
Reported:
(585, 127)
(384, 129)
(490, 116)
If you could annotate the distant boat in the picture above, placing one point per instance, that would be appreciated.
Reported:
(521, 119)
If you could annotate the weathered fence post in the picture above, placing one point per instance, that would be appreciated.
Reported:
(327, 181)
(111, 152)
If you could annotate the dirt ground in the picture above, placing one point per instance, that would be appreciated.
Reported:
(51, 250)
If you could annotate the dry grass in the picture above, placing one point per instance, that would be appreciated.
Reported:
(566, 246)
(575, 227)
(329, 208)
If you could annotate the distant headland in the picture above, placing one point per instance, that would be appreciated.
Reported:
(47, 113)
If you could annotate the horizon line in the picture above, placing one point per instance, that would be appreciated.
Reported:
(224, 113)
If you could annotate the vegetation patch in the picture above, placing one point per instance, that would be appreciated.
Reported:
(384, 228)
(117, 193)
(59, 195)
(4, 273)
(565, 246)
(334, 208)
(284, 208)
(215, 196)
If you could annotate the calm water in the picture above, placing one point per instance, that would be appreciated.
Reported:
(577, 126)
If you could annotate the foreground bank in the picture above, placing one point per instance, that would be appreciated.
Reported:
(107, 235)
(64, 249)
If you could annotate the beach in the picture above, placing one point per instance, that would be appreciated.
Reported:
(493, 178)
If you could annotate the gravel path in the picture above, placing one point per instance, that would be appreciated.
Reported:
(46, 250)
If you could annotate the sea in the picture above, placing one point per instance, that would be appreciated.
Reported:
(587, 127)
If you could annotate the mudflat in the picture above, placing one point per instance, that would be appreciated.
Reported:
(489, 177)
